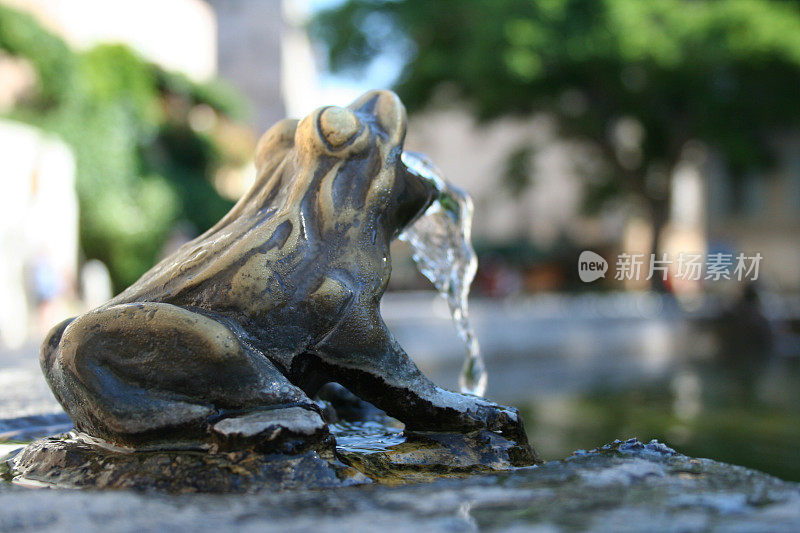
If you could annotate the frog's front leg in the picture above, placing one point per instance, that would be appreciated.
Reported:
(362, 355)
(151, 373)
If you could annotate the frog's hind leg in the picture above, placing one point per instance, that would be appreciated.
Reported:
(362, 355)
(153, 374)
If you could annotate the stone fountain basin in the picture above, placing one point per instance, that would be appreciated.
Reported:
(622, 486)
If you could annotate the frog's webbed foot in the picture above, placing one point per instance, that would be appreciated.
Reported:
(152, 374)
(289, 429)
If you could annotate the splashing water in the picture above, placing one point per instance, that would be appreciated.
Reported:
(441, 247)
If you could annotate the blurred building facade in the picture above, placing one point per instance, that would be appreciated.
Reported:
(474, 157)
(238, 40)
(760, 213)
(248, 51)
(710, 212)
(176, 34)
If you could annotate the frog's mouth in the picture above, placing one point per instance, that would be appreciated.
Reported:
(420, 165)
(446, 220)
(447, 198)
(425, 172)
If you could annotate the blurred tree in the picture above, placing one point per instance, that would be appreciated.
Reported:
(141, 166)
(640, 79)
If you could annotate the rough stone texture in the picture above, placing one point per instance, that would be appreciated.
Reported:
(624, 487)
(429, 456)
(71, 462)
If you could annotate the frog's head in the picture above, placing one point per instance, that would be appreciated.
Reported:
(349, 158)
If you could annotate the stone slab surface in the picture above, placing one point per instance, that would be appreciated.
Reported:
(73, 464)
(625, 486)
(73, 460)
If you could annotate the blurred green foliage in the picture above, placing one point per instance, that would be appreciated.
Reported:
(725, 73)
(140, 166)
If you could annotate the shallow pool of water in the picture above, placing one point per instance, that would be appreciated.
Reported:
(743, 414)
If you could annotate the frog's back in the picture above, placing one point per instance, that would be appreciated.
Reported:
(260, 221)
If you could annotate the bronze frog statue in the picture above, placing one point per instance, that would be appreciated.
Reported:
(225, 342)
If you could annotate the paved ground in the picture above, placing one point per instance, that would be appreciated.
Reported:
(23, 390)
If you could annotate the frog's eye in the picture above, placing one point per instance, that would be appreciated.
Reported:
(386, 111)
(338, 127)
